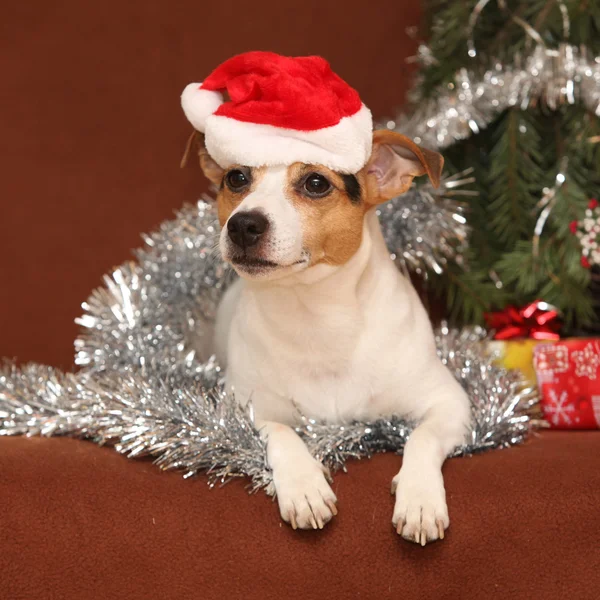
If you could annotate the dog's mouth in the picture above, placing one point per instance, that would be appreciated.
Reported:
(252, 264)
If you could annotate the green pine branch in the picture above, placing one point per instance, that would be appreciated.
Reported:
(515, 177)
(516, 160)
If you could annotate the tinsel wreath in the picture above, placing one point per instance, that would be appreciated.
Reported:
(144, 389)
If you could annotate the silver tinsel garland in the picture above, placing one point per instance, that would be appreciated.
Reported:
(140, 413)
(145, 389)
(186, 427)
(553, 77)
(150, 314)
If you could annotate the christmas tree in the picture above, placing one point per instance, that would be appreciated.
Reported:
(511, 89)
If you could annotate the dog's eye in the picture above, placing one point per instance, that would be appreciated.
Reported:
(316, 185)
(236, 180)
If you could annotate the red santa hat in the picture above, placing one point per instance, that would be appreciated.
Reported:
(260, 108)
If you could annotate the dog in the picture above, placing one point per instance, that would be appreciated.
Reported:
(320, 318)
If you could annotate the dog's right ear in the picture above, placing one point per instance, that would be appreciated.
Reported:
(195, 145)
(395, 161)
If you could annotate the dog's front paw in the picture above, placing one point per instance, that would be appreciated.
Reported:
(420, 513)
(306, 501)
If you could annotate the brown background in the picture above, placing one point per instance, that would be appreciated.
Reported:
(92, 131)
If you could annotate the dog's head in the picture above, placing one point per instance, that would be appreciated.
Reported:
(280, 220)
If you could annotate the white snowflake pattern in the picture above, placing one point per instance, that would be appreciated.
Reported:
(557, 411)
(552, 359)
(587, 361)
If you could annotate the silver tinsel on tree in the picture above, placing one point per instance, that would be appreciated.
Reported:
(425, 228)
(565, 75)
(145, 389)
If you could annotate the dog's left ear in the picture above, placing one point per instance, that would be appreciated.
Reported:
(395, 161)
(195, 145)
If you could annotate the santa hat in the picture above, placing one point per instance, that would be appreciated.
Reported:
(260, 108)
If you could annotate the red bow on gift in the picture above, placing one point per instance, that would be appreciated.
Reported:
(538, 320)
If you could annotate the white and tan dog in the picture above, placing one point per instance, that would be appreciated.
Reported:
(321, 318)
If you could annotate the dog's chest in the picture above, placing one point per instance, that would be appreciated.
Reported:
(334, 365)
(327, 387)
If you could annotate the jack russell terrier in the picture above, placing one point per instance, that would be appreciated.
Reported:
(320, 317)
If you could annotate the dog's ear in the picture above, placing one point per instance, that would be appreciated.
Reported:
(195, 145)
(395, 161)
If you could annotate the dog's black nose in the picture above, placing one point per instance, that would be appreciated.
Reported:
(245, 228)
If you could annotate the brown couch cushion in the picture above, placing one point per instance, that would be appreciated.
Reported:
(78, 521)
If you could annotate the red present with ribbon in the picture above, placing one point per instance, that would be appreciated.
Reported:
(568, 374)
(538, 320)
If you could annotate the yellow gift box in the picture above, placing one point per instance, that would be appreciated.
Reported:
(517, 354)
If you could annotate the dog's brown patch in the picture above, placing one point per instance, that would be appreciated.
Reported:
(227, 200)
(332, 226)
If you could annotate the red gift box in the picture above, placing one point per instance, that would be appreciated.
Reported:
(568, 374)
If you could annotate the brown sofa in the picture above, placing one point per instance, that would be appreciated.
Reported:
(80, 521)
(91, 120)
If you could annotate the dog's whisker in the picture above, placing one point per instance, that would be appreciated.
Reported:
(214, 252)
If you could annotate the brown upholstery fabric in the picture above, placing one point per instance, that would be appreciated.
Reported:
(92, 131)
(78, 521)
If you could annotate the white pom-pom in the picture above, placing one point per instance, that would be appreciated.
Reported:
(199, 104)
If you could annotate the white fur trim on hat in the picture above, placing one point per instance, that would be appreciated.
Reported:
(199, 104)
(344, 147)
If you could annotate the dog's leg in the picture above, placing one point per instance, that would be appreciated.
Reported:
(420, 512)
(305, 498)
